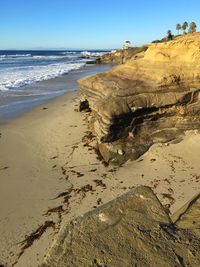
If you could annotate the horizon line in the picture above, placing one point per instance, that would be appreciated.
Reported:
(53, 49)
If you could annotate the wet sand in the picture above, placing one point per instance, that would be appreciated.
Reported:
(15, 102)
(50, 173)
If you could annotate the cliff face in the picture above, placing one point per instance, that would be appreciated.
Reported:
(153, 97)
(172, 62)
(132, 230)
(121, 56)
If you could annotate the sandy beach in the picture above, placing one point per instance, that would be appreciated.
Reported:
(50, 173)
(99, 134)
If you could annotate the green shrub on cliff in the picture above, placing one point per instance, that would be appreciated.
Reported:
(134, 50)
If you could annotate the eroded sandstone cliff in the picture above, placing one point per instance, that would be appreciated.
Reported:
(121, 56)
(153, 97)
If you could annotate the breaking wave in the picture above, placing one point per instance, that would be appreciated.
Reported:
(21, 76)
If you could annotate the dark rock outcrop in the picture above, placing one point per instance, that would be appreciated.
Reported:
(132, 230)
(154, 97)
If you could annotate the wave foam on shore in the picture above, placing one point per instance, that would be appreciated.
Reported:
(22, 76)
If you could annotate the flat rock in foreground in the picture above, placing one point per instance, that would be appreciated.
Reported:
(132, 230)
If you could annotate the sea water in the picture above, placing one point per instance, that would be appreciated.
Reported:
(28, 77)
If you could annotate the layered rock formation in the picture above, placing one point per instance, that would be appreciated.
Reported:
(132, 230)
(153, 97)
(121, 56)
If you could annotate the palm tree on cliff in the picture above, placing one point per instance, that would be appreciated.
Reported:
(178, 27)
(193, 27)
(184, 27)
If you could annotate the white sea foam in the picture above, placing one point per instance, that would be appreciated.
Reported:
(15, 56)
(49, 57)
(29, 56)
(16, 77)
(62, 55)
(92, 54)
(68, 53)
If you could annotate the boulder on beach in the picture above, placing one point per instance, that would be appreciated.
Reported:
(132, 230)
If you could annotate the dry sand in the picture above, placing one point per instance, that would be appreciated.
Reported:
(49, 152)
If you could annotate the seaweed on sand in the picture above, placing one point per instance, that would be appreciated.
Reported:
(35, 235)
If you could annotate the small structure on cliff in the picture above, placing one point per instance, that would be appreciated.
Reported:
(127, 44)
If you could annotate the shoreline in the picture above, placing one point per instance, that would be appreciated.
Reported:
(59, 177)
(15, 106)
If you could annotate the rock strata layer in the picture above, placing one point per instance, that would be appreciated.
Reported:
(120, 56)
(132, 230)
(153, 97)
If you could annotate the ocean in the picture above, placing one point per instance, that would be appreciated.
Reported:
(28, 78)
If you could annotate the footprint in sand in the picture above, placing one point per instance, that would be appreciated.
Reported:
(4, 168)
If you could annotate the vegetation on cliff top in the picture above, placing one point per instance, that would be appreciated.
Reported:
(192, 28)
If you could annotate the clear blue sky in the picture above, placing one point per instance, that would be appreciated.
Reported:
(29, 24)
